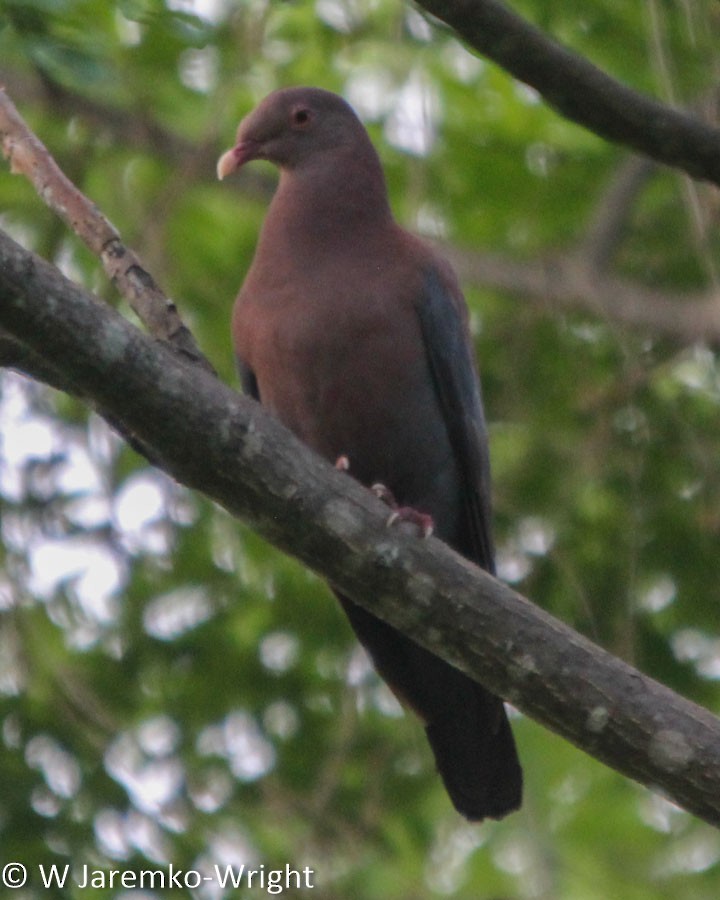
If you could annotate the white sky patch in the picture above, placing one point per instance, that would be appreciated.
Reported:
(418, 25)
(159, 736)
(94, 571)
(359, 667)
(371, 692)
(23, 439)
(110, 833)
(210, 11)
(59, 768)
(540, 159)
(279, 651)
(89, 512)
(210, 791)
(658, 595)
(66, 261)
(78, 474)
(27, 439)
(512, 564)
(12, 668)
(697, 371)
(281, 720)
(527, 94)
(232, 847)
(239, 739)
(199, 69)
(250, 755)
(702, 650)
(27, 436)
(227, 848)
(533, 537)
(147, 836)
(140, 513)
(386, 702)
(44, 802)
(536, 536)
(342, 15)
(138, 503)
(39, 455)
(430, 222)
(412, 126)
(660, 813)
(151, 783)
(696, 852)
(463, 64)
(172, 614)
(129, 32)
(515, 854)
(370, 91)
(446, 865)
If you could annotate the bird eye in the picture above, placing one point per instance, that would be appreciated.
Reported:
(301, 116)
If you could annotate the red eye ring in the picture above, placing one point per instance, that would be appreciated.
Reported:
(301, 116)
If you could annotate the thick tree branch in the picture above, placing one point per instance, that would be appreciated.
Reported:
(15, 355)
(226, 446)
(580, 91)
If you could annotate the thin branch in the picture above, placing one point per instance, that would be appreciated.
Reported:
(607, 227)
(218, 442)
(570, 282)
(580, 91)
(133, 129)
(28, 156)
(130, 128)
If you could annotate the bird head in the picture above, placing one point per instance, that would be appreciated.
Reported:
(293, 127)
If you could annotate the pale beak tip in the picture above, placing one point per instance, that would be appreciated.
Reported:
(226, 164)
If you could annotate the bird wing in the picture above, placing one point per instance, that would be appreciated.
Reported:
(450, 359)
(248, 381)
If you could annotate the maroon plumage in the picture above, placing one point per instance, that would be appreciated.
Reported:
(354, 333)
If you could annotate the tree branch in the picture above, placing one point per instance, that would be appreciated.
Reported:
(218, 442)
(570, 281)
(609, 222)
(28, 156)
(580, 91)
(133, 129)
(15, 355)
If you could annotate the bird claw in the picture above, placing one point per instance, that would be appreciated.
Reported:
(385, 494)
(342, 463)
(423, 521)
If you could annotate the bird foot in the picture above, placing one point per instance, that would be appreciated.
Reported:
(423, 521)
(342, 463)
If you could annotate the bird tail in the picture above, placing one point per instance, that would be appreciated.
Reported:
(476, 757)
(467, 726)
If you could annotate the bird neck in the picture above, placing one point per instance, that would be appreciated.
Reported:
(330, 201)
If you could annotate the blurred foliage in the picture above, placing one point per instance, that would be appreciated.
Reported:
(174, 690)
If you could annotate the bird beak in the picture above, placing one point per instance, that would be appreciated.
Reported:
(233, 159)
